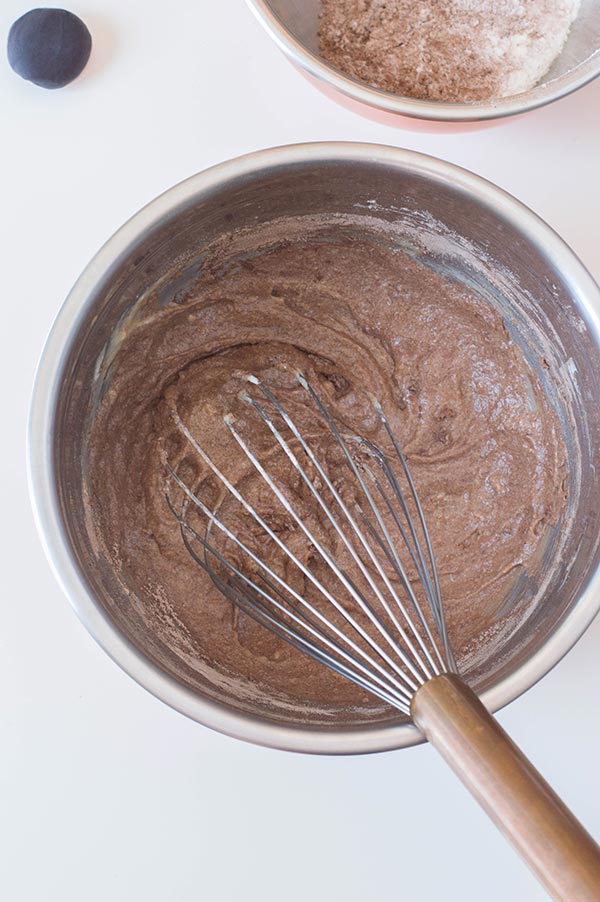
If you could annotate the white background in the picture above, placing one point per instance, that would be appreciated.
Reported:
(105, 793)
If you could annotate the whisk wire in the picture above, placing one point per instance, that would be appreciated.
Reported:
(339, 531)
(336, 570)
(392, 666)
(438, 609)
(260, 614)
(415, 553)
(374, 508)
(299, 599)
(394, 561)
(322, 473)
(388, 690)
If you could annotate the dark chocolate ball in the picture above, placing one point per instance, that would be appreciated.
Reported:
(49, 47)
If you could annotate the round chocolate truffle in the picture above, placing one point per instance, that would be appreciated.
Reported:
(49, 47)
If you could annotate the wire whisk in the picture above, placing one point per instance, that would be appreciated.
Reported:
(338, 561)
(394, 645)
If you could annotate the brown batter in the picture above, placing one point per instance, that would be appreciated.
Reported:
(354, 315)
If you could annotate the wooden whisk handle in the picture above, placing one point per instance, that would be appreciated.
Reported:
(551, 840)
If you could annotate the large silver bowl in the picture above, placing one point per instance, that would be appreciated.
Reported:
(293, 25)
(551, 305)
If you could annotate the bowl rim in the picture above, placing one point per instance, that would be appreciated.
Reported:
(40, 433)
(434, 111)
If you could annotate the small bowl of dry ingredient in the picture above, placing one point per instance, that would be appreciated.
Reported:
(459, 61)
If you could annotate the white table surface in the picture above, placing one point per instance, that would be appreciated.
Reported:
(105, 793)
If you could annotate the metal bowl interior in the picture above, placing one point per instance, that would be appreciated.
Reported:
(294, 25)
(547, 298)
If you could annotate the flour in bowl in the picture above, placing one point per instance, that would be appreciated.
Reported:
(456, 51)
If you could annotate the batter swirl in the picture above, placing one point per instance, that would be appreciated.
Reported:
(480, 436)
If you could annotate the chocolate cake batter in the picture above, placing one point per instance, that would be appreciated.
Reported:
(354, 315)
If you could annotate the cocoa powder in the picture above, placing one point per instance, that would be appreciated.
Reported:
(456, 51)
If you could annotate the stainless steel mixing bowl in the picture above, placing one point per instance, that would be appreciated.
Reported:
(293, 25)
(459, 224)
